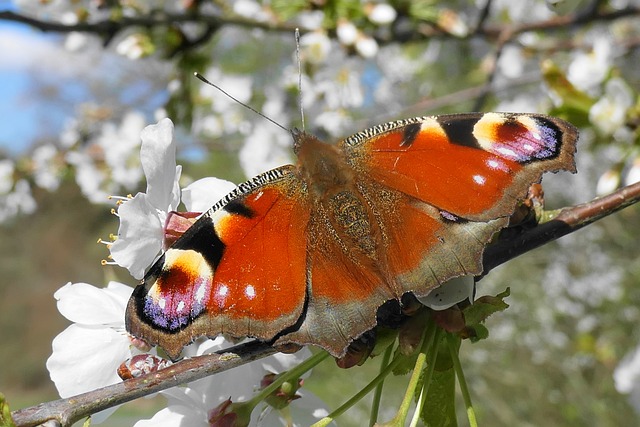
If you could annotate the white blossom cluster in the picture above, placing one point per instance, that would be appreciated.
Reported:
(351, 77)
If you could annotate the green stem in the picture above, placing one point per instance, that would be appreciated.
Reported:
(419, 404)
(358, 396)
(471, 415)
(427, 342)
(377, 394)
(428, 374)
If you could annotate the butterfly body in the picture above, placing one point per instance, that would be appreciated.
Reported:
(306, 254)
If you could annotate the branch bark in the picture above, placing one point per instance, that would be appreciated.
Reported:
(567, 221)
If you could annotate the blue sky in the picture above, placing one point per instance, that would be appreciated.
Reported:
(32, 62)
(19, 110)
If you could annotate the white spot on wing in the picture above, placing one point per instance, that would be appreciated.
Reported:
(497, 165)
(200, 293)
(479, 179)
(507, 152)
(222, 291)
(180, 306)
(250, 292)
(162, 303)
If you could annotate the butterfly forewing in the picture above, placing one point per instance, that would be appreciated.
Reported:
(475, 166)
(239, 270)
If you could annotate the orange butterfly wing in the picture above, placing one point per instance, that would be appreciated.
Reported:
(437, 189)
(307, 254)
(459, 176)
(239, 270)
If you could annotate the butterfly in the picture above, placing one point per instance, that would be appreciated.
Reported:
(306, 254)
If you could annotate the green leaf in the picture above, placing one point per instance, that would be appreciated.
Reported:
(385, 337)
(439, 406)
(484, 307)
(5, 413)
(476, 332)
(410, 340)
(406, 362)
(287, 9)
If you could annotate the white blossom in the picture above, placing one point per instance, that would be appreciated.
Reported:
(608, 182)
(633, 175)
(87, 354)
(143, 217)
(7, 168)
(589, 69)
(18, 201)
(45, 169)
(381, 14)
(132, 46)
(347, 32)
(267, 147)
(366, 46)
(610, 112)
(627, 377)
(314, 47)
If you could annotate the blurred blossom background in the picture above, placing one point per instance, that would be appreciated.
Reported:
(79, 80)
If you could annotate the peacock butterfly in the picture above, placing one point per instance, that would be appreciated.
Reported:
(306, 254)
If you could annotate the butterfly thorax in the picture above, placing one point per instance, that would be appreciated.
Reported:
(332, 189)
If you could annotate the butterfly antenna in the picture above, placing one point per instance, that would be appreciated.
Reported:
(299, 77)
(203, 79)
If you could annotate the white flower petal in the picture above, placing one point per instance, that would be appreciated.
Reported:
(281, 362)
(119, 291)
(450, 293)
(158, 158)
(305, 411)
(86, 304)
(176, 416)
(315, 47)
(85, 358)
(347, 32)
(367, 47)
(6, 175)
(200, 195)
(174, 200)
(382, 14)
(633, 175)
(139, 236)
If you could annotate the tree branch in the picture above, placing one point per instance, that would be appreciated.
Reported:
(67, 411)
(567, 221)
(108, 27)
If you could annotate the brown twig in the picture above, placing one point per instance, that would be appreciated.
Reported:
(67, 411)
(568, 220)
